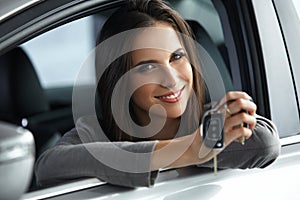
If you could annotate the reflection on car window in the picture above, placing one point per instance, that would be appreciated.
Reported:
(57, 55)
(297, 6)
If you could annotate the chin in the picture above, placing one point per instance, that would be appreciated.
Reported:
(174, 114)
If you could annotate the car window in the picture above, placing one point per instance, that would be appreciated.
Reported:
(279, 76)
(297, 7)
(289, 18)
(58, 54)
(295, 66)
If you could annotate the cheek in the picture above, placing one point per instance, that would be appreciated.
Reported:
(143, 94)
(186, 73)
(137, 95)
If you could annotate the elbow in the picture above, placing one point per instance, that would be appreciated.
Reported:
(269, 149)
(43, 170)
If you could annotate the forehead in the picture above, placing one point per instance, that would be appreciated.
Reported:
(161, 36)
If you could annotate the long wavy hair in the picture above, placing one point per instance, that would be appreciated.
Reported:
(139, 14)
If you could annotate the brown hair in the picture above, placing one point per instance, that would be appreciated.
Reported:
(139, 14)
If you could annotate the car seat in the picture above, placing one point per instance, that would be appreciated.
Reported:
(23, 101)
(203, 38)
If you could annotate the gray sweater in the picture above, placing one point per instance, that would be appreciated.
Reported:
(85, 152)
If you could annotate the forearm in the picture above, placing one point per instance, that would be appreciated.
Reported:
(67, 162)
(180, 152)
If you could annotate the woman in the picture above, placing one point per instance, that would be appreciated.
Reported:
(158, 79)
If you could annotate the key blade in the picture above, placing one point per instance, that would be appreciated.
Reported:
(215, 163)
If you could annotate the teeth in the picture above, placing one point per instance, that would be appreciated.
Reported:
(173, 96)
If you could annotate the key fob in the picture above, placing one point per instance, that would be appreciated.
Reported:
(212, 129)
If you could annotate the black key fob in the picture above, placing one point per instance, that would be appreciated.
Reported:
(212, 129)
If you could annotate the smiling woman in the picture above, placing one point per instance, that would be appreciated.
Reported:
(171, 69)
(156, 78)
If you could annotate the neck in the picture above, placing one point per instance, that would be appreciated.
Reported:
(168, 131)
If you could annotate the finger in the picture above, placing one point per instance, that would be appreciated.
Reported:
(252, 125)
(238, 120)
(235, 134)
(233, 95)
(242, 104)
(227, 111)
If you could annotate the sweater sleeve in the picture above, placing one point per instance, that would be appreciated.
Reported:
(259, 151)
(79, 154)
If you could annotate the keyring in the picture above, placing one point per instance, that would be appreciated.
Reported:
(227, 110)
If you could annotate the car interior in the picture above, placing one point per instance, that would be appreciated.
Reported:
(24, 101)
(204, 39)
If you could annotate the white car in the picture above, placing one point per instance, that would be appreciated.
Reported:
(254, 43)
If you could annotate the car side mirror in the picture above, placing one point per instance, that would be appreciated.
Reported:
(17, 155)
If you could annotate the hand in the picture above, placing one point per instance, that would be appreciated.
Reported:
(197, 152)
(240, 110)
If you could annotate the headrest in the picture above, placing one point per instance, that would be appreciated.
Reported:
(20, 90)
(203, 38)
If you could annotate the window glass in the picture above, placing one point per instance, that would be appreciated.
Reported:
(273, 31)
(296, 49)
(297, 6)
(289, 17)
(58, 54)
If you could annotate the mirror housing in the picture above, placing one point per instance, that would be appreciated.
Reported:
(17, 156)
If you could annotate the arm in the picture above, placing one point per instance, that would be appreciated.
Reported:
(75, 157)
(72, 157)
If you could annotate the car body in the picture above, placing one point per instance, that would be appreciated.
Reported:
(259, 44)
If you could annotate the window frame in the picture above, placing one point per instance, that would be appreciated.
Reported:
(283, 97)
(288, 18)
(251, 45)
(46, 16)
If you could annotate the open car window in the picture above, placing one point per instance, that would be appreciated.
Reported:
(58, 54)
(235, 35)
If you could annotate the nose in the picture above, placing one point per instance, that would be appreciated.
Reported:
(169, 77)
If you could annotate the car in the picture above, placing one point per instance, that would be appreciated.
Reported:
(254, 43)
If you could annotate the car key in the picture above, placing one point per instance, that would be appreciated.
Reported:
(212, 133)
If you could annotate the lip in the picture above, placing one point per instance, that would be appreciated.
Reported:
(171, 97)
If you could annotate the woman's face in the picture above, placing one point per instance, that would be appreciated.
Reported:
(162, 76)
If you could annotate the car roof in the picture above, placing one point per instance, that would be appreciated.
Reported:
(9, 8)
(21, 20)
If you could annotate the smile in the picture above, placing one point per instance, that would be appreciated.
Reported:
(171, 97)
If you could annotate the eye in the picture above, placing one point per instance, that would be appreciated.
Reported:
(146, 68)
(177, 56)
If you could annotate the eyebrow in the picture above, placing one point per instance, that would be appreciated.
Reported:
(155, 61)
